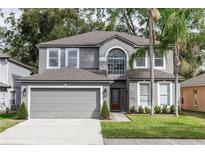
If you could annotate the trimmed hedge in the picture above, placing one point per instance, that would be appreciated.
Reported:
(22, 112)
(105, 113)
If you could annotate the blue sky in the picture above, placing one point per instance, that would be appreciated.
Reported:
(6, 12)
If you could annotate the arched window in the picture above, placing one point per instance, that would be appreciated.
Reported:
(116, 61)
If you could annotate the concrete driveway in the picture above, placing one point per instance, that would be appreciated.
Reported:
(54, 131)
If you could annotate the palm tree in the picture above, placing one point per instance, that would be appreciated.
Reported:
(176, 25)
(153, 14)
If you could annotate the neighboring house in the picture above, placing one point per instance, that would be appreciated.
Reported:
(193, 94)
(10, 93)
(78, 73)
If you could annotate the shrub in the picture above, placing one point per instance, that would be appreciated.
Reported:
(133, 109)
(141, 109)
(22, 112)
(172, 109)
(165, 109)
(157, 109)
(105, 113)
(147, 109)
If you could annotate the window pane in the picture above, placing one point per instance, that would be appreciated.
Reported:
(53, 62)
(164, 88)
(164, 93)
(144, 100)
(144, 94)
(159, 62)
(164, 99)
(72, 58)
(158, 55)
(116, 62)
(53, 53)
(72, 62)
(53, 58)
(144, 89)
(140, 62)
(72, 53)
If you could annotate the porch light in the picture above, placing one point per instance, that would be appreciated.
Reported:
(24, 92)
(105, 92)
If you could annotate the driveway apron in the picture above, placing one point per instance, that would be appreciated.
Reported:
(54, 131)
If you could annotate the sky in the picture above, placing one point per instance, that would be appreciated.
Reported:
(6, 12)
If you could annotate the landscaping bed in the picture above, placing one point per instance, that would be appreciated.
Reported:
(186, 126)
(7, 121)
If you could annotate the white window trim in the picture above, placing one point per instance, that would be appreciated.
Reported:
(59, 58)
(146, 65)
(158, 92)
(78, 56)
(60, 87)
(138, 92)
(164, 63)
(126, 58)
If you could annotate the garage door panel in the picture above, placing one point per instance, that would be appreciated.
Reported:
(65, 114)
(64, 107)
(65, 103)
(63, 96)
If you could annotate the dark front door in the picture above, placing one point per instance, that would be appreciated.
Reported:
(115, 99)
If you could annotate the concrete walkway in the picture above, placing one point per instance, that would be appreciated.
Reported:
(120, 117)
(153, 142)
(54, 131)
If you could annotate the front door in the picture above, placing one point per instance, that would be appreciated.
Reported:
(115, 99)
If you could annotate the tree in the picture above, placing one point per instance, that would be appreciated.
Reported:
(153, 15)
(40, 25)
(176, 28)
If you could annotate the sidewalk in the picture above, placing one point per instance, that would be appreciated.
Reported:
(154, 142)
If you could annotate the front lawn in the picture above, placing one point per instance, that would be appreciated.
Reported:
(7, 121)
(190, 126)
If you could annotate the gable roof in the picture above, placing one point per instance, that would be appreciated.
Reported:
(66, 74)
(6, 56)
(95, 38)
(144, 74)
(196, 81)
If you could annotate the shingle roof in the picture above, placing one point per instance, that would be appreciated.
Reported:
(4, 85)
(95, 38)
(3, 55)
(6, 56)
(139, 74)
(196, 81)
(66, 74)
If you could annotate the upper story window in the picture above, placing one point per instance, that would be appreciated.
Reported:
(159, 60)
(53, 58)
(141, 61)
(72, 57)
(116, 61)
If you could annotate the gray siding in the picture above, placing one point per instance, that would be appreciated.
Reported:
(94, 57)
(65, 103)
(24, 86)
(133, 93)
(89, 58)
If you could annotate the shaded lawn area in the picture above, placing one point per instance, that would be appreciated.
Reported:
(186, 126)
(7, 121)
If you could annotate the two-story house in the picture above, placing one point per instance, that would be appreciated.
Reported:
(10, 89)
(77, 74)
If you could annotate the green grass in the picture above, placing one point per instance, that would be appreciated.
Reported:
(7, 121)
(6, 116)
(189, 125)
